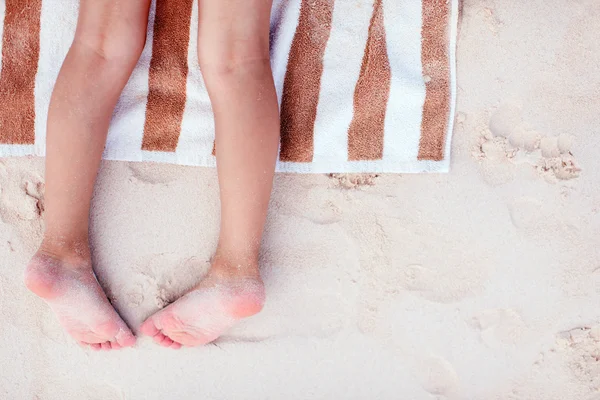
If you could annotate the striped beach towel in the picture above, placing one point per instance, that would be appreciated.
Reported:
(363, 85)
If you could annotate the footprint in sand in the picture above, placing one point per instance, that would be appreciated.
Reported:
(549, 147)
(505, 121)
(165, 278)
(319, 205)
(533, 218)
(446, 283)
(354, 181)
(135, 296)
(582, 348)
(505, 326)
(525, 139)
(35, 190)
(21, 192)
(326, 213)
(437, 376)
(418, 277)
(508, 141)
(527, 214)
(154, 175)
(21, 203)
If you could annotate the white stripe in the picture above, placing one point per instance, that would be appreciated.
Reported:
(197, 128)
(15, 150)
(403, 21)
(378, 166)
(452, 44)
(126, 130)
(159, 156)
(284, 21)
(57, 29)
(342, 62)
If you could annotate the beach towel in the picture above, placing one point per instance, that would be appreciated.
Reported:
(363, 85)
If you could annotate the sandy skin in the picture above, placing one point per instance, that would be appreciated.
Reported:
(225, 296)
(70, 288)
(68, 284)
(235, 63)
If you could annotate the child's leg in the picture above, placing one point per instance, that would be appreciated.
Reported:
(233, 48)
(109, 39)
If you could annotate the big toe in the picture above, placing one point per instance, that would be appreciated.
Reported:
(125, 337)
(118, 331)
(149, 328)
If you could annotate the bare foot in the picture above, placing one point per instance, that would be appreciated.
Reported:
(69, 286)
(224, 297)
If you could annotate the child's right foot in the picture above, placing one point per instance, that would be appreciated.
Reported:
(229, 293)
(69, 286)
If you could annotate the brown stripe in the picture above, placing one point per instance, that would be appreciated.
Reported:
(436, 71)
(365, 136)
(20, 56)
(302, 82)
(168, 75)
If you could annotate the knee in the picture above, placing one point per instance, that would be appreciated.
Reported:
(112, 48)
(228, 63)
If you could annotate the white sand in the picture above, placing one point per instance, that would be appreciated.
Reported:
(478, 285)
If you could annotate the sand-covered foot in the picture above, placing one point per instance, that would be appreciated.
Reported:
(69, 286)
(227, 295)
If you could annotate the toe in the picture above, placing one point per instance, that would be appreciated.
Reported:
(115, 345)
(176, 346)
(95, 346)
(148, 328)
(159, 337)
(166, 342)
(105, 346)
(124, 337)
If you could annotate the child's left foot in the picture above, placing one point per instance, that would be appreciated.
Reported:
(227, 295)
(68, 284)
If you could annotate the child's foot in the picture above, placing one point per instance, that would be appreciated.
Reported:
(225, 296)
(69, 286)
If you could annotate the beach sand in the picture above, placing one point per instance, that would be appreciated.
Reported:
(481, 284)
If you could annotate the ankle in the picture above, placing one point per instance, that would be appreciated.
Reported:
(234, 266)
(69, 250)
(224, 269)
(229, 252)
